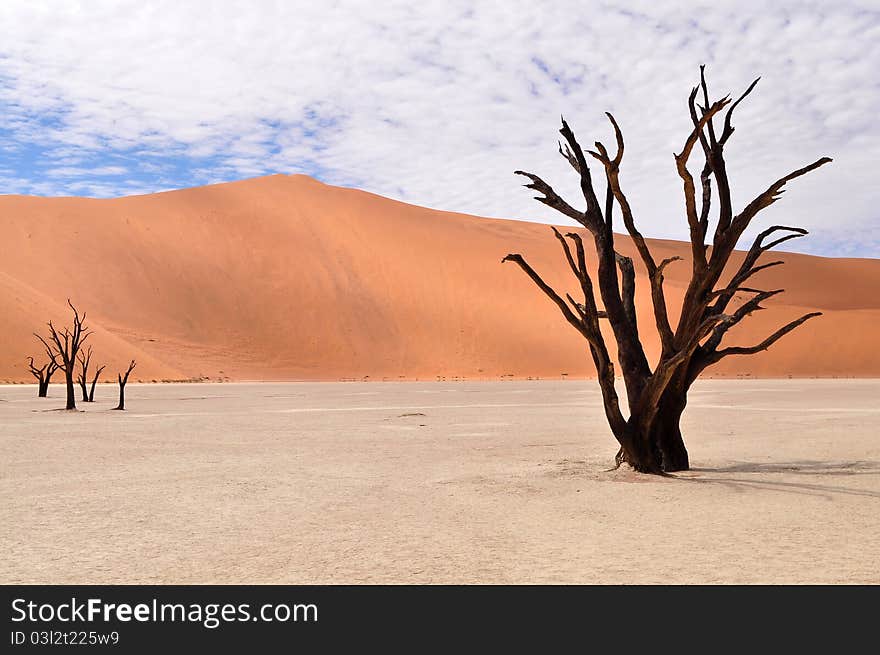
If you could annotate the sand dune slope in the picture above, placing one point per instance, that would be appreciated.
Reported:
(283, 277)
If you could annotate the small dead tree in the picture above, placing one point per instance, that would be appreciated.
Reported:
(62, 347)
(123, 380)
(650, 438)
(95, 382)
(43, 375)
(84, 359)
(88, 393)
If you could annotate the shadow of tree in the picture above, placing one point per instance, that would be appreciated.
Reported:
(801, 466)
(816, 468)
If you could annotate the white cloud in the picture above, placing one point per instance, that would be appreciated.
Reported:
(75, 171)
(437, 103)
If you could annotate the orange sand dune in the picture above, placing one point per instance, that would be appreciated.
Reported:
(285, 278)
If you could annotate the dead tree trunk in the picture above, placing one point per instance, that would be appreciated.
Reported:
(94, 382)
(64, 345)
(650, 436)
(667, 430)
(43, 375)
(123, 380)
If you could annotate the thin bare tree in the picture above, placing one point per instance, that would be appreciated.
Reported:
(650, 437)
(88, 392)
(95, 382)
(123, 380)
(85, 358)
(43, 374)
(62, 347)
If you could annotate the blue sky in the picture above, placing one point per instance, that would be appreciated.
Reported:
(436, 103)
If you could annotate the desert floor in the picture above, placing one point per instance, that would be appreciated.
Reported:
(435, 482)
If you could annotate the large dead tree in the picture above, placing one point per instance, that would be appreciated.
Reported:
(62, 347)
(649, 437)
(85, 358)
(43, 374)
(123, 380)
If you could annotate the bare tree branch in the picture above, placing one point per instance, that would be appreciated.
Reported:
(771, 195)
(576, 322)
(612, 168)
(661, 315)
(552, 199)
(746, 309)
(728, 128)
(628, 288)
(769, 341)
(697, 236)
(593, 213)
(747, 269)
(705, 174)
